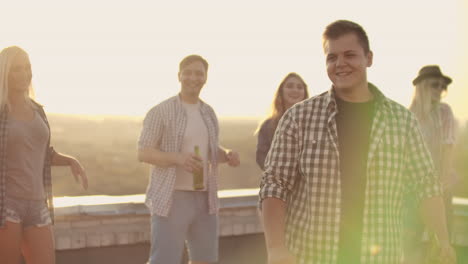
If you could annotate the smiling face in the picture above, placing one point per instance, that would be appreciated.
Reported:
(20, 75)
(192, 78)
(347, 63)
(293, 91)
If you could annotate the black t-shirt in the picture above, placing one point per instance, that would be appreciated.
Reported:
(354, 123)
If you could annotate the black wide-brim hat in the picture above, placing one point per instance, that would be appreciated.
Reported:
(430, 71)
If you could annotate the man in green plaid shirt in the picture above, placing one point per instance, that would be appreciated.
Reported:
(339, 166)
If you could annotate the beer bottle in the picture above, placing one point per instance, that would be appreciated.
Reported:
(198, 174)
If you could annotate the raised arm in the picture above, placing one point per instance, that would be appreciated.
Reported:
(152, 156)
(149, 149)
(79, 173)
(158, 158)
(228, 155)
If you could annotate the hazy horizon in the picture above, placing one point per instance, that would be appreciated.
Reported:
(111, 163)
(103, 116)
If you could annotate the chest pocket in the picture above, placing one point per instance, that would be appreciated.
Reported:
(318, 158)
(390, 155)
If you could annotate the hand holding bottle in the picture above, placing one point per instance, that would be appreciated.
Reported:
(189, 161)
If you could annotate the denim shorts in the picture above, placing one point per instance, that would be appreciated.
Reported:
(27, 212)
(190, 222)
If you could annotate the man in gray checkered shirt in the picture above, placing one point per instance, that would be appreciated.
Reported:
(180, 140)
(339, 166)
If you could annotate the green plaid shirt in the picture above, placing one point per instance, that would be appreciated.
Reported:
(302, 169)
(3, 163)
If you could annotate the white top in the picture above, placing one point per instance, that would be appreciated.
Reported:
(196, 134)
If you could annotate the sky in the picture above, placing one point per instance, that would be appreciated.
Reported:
(111, 57)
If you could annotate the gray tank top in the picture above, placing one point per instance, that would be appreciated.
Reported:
(26, 150)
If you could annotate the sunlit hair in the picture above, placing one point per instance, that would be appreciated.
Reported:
(278, 107)
(7, 55)
(192, 58)
(342, 27)
(421, 104)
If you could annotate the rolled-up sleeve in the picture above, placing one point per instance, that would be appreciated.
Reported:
(281, 162)
(419, 166)
(152, 129)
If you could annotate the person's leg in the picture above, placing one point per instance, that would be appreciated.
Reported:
(38, 245)
(168, 233)
(203, 234)
(203, 241)
(10, 242)
(11, 233)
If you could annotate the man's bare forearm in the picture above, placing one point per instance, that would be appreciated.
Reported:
(433, 214)
(60, 159)
(158, 158)
(274, 219)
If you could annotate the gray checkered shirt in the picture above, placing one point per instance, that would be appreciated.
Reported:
(46, 174)
(302, 169)
(164, 129)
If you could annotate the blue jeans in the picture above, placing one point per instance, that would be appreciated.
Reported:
(189, 222)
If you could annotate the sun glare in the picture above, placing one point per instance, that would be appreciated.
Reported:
(117, 58)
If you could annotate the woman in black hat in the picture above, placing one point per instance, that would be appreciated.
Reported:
(437, 124)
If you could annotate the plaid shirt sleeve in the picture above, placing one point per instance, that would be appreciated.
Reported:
(152, 131)
(419, 166)
(281, 165)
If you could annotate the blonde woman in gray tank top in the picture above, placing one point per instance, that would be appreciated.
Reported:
(26, 209)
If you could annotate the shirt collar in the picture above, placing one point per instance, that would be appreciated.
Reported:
(379, 97)
(201, 105)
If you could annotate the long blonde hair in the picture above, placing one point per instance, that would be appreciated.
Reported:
(277, 107)
(422, 104)
(7, 55)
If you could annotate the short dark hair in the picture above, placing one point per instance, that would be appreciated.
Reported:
(192, 58)
(342, 27)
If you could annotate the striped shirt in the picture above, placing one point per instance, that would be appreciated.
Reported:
(303, 169)
(46, 173)
(438, 131)
(164, 129)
